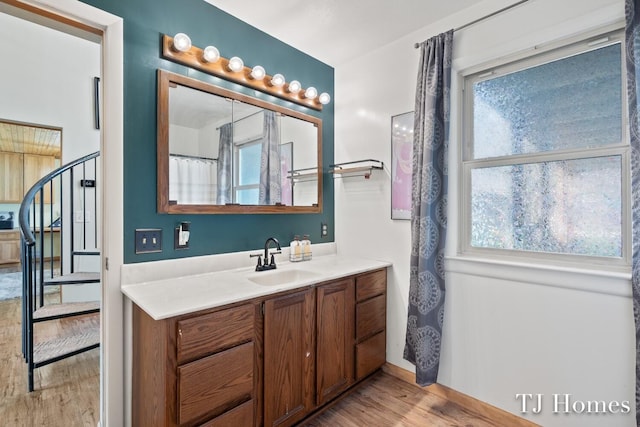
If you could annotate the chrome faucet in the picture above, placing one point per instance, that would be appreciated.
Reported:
(268, 264)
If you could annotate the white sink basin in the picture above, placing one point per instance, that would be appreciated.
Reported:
(282, 277)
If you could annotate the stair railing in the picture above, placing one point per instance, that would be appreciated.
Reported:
(47, 198)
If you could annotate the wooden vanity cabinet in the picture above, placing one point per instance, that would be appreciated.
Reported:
(196, 370)
(319, 342)
(289, 357)
(371, 318)
(335, 339)
(267, 362)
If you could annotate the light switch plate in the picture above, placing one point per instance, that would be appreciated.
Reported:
(148, 240)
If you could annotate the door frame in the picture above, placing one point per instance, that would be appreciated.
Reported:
(114, 409)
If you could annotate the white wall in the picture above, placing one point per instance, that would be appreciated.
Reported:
(509, 329)
(47, 78)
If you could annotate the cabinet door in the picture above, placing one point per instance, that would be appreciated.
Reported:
(335, 335)
(11, 178)
(36, 167)
(289, 326)
(9, 247)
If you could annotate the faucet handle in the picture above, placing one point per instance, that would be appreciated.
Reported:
(259, 265)
(273, 260)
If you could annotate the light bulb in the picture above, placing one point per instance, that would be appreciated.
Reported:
(311, 92)
(294, 86)
(277, 80)
(236, 64)
(258, 72)
(210, 54)
(181, 42)
(324, 98)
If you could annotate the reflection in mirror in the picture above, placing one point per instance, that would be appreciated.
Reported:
(223, 152)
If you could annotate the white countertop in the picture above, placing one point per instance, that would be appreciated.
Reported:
(174, 296)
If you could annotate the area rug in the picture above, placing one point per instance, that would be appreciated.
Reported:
(11, 286)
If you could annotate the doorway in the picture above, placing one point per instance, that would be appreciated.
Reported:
(79, 16)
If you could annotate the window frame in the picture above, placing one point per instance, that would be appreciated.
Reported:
(517, 62)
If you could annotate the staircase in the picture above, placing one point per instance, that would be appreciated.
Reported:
(53, 246)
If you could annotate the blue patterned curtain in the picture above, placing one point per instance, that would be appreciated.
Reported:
(429, 208)
(270, 191)
(225, 161)
(632, 38)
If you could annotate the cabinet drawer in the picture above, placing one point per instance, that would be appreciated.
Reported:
(370, 354)
(371, 284)
(215, 384)
(371, 316)
(239, 416)
(206, 334)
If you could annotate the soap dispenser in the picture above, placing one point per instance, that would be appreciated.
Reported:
(295, 250)
(306, 248)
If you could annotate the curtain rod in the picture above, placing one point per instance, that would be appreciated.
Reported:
(186, 156)
(492, 14)
(242, 118)
(252, 114)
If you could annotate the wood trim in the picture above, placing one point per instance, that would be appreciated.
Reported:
(164, 205)
(52, 16)
(499, 416)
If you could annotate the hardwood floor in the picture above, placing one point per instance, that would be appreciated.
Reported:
(66, 392)
(385, 401)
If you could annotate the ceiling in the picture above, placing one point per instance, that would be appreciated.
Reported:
(334, 31)
(30, 139)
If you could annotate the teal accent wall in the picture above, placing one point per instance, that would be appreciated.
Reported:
(145, 21)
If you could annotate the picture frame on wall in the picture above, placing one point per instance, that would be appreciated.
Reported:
(401, 165)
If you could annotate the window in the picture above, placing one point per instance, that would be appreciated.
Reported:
(545, 159)
(247, 157)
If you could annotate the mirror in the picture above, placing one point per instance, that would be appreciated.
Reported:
(223, 152)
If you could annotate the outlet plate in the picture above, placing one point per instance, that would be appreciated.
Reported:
(324, 229)
(176, 240)
(148, 240)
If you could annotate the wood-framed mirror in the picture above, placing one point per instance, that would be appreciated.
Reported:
(222, 152)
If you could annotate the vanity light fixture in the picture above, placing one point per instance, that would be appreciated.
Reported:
(277, 80)
(179, 49)
(311, 92)
(258, 72)
(324, 98)
(235, 64)
(294, 86)
(181, 42)
(211, 54)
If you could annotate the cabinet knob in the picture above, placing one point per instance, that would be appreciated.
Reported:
(180, 332)
(308, 354)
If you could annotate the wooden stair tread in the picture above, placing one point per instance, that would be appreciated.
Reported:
(79, 277)
(60, 347)
(56, 311)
